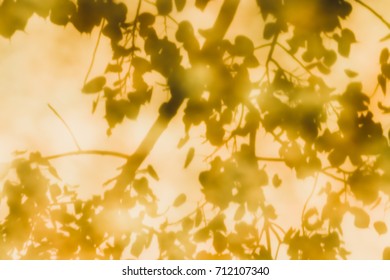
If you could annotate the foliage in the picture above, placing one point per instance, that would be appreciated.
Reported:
(209, 77)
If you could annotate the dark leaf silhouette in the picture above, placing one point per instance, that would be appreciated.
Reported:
(380, 227)
(384, 56)
(164, 7)
(386, 253)
(201, 4)
(362, 219)
(180, 200)
(382, 83)
(198, 217)
(276, 181)
(219, 242)
(189, 157)
(152, 172)
(95, 85)
(180, 4)
(350, 73)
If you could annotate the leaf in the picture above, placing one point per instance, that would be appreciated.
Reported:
(345, 41)
(146, 19)
(116, 111)
(152, 172)
(380, 227)
(189, 157)
(362, 219)
(180, 5)
(276, 181)
(180, 199)
(350, 73)
(269, 212)
(141, 186)
(270, 30)
(308, 221)
(240, 212)
(164, 7)
(264, 254)
(386, 253)
(384, 57)
(95, 85)
(382, 83)
(219, 242)
(187, 224)
(138, 246)
(330, 58)
(114, 68)
(116, 12)
(140, 64)
(198, 217)
(243, 46)
(337, 157)
(183, 141)
(202, 235)
(201, 4)
(113, 32)
(218, 223)
(53, 172)
(78, 206)
(385, 68)
(323, 69)
(94, 104)
(251, 61)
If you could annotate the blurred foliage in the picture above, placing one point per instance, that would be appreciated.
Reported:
(318, 131)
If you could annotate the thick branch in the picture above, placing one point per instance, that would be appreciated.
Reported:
(222, 22)
(143, 150)
(221, 25)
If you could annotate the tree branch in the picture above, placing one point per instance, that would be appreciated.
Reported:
(375, 13)
(135, 160)
(220, 27)
(66, 125)
(295, 59)
(270, 159)
(307, 202)
(88, 152)
(94, 51)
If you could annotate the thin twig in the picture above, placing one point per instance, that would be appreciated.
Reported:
(278, 227)
(375, 13)
(173, 20)
(308, 199)
(263, 46)
(66, 125)
(135, 23)
(267, 235)
(270, 159)
(295, 59)
(332, 176)
(94, 52)
(88, 152)
(270, 53)
(133, 39)
(279, 240)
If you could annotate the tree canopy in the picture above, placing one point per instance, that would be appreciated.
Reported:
(236, 92)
